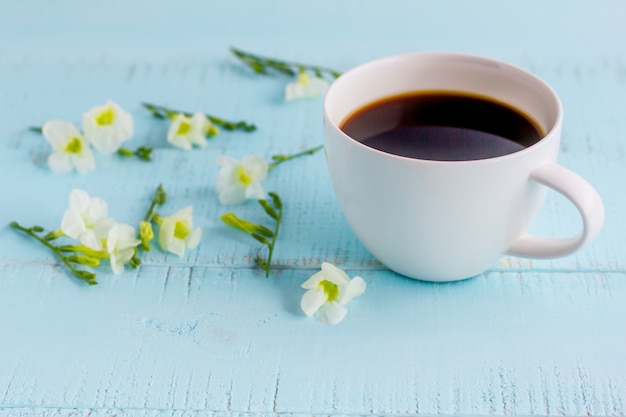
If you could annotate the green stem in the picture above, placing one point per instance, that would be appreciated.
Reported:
(270, 251)
(162, 112)
(144, 153)
(99, 254)
(260, 64)
(159, 198)
(259, 232)
(279, 159)
(54, 235)
(88, 277)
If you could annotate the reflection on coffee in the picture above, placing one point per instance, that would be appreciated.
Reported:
(442, 126)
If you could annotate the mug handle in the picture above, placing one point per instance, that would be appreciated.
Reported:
(582, 195)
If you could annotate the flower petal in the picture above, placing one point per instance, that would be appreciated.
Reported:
(102, 227)
(98, 208)
(313, 282)
(121, 237)
(317, 86)
(335, 275)
(89, 239)
(84, 161)
(59, 132)
(255, 191)
(355, 288)
(116, 265)
(193, 239)
(180, 142)
(59, 162)
(331, 313)
(184, 214)
(294, 91)
(176, 246)
(167, 240)
(255, 166)
(232, 196)
(311, 301)
(72, 224)
(79, 200)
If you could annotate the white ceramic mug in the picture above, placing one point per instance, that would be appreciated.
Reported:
(450, 220)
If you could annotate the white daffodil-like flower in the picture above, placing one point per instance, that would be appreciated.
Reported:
(184, 132)
(238, 181)
(328, 291)
(306, 87)
(70, 149)
(176, 234)
(120, 243)
(107, 127)
(86, 219)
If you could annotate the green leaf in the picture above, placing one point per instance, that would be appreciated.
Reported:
(261, 239)
(262, 263)
(134, 261)
(83, 260)
(268, 209)
(144, 153)
(276, 200)
(127, 153)
(88, 277)
(260, 65)
(231, 219)
(160, 196)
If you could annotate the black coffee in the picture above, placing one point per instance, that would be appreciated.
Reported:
(442, 126)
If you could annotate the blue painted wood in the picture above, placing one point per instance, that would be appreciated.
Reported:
(208, 335)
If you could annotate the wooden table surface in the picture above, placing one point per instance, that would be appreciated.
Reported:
(208, 334)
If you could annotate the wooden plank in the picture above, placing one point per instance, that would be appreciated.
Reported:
(206, 338)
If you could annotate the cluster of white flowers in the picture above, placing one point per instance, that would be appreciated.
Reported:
(105, 127)
(87, 221)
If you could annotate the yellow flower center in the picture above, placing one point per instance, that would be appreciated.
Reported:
(330, 289)
(303, 78)
(243, 177)
(183, 128)
(145, 230)
(181, 230)
(106, 117)
(75, 145)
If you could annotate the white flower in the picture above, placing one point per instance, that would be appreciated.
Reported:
(328, 291)
(70, 149)
(237, 181)
(86, 219)
(187, 131)
(107, 127)
(176, 234)
(306, 87)
(121, 242)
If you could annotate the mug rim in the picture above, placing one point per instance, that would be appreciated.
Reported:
(551, 132)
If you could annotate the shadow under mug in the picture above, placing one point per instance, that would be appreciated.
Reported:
(451, 220)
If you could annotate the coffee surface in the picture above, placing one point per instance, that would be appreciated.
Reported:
(442, 126)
